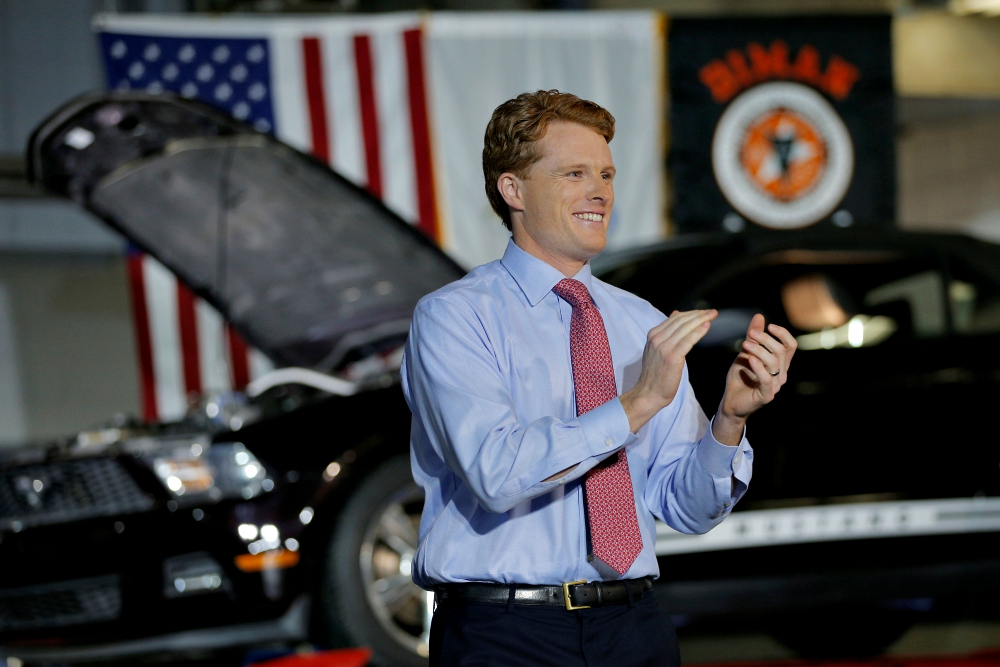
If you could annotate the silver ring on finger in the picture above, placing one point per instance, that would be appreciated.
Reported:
(775, 374)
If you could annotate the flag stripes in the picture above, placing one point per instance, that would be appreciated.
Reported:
(316, 97)
(422, 164)
(185, 347)
(239, 354)
(369, 118)
(190, 354)
(164, 335)
(144, 347)
(350, 93)
(397, 104)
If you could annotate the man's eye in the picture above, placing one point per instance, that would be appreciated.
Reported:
(576, 174)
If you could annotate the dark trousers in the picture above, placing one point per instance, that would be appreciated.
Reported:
(485, 635)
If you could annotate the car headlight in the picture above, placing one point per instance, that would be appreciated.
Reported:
(196, 472)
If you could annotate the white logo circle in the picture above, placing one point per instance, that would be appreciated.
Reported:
(782, 156)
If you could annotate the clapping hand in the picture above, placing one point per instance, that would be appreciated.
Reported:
(759, 372)
(667, 346)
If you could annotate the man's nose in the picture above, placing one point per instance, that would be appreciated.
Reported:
(600, 191)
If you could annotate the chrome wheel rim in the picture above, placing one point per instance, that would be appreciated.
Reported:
(401, 607)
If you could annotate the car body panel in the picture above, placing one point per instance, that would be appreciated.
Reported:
(302, 262)
(875, 476)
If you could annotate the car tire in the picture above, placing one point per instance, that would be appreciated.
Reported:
(367, 594)
(842, 633)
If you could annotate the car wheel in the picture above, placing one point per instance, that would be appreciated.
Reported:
(369, 596)
(844, 633)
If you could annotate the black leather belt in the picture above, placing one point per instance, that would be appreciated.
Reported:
(572, 595)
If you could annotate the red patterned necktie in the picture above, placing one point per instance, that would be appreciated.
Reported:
(614, 528)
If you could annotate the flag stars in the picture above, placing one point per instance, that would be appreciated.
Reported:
(256, 92)
(223, 92)
(229, 73)
(255, 53)
(238, 73)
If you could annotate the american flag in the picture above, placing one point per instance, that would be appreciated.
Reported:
(232, 74)
(350, 91)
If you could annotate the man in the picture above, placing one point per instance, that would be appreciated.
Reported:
(553, 419)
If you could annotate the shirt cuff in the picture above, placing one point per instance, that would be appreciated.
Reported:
(716, 458)
(606, 428)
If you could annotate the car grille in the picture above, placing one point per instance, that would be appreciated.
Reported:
(64, 603)
(64, 491)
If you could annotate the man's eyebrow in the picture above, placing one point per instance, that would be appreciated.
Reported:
(573, 167)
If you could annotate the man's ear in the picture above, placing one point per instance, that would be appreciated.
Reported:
(510, 187)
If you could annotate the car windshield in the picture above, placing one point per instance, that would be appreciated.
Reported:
(849, 303)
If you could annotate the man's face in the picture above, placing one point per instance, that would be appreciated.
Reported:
(566, 199)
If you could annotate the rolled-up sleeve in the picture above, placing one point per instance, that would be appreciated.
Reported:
(693, 480)
(465, 411)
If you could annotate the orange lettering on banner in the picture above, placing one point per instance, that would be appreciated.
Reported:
(780, 67)
(726, 78)
(720, 81)
(738, 64)
(840, 77)
(760, 61)
(807, 66)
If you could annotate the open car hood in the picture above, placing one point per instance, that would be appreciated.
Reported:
(304, 264)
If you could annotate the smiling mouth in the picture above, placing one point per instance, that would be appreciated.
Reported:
(592, 217)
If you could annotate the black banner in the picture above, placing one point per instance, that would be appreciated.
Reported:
(784, 122)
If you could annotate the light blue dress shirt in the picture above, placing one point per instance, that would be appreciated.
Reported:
(488, 377)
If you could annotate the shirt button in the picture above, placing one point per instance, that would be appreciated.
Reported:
(562, 480)
(609, 442)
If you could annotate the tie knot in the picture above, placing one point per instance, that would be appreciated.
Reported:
(574, 292)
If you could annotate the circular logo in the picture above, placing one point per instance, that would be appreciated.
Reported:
(782, 156)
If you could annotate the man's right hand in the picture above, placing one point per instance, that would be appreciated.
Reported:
(667, 345)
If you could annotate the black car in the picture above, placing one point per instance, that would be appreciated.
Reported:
(875, 499)
(283, 515)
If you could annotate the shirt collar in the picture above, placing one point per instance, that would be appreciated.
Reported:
(535, 277)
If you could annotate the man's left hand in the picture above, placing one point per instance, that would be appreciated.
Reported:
(758, 373)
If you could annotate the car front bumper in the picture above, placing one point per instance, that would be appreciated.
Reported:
(292, 626)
